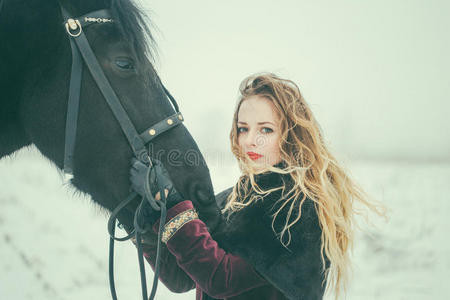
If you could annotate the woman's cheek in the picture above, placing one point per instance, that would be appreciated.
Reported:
(274, 143)
(276, 147)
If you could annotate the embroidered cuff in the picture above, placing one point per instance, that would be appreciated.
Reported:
(172, 226)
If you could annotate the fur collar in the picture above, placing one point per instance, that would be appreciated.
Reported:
(296, 270)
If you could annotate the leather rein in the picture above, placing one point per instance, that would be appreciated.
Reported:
(81, 51)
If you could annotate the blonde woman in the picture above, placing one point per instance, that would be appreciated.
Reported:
(289, 220)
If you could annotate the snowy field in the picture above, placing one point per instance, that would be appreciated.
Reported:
(376, 76)
(54, 244)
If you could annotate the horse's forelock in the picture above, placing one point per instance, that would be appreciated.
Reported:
(131, 20)
(134, 25)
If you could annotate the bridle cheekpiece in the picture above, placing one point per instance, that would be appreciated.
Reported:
(82, 53)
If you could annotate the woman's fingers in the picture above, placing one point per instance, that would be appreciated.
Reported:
(134, 173)
(134, 162)
(158, 196)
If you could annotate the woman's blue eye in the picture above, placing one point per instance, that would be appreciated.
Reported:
(124, 64)
(241, 129)
(266, 130)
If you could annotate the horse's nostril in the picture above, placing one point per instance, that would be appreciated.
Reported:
(200, 194)
(205, 202)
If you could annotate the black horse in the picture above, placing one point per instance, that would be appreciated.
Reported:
(35, 61)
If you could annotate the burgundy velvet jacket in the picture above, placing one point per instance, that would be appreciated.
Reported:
(219, 274)
(244, 260)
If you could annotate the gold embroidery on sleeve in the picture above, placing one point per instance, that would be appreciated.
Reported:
(177, 222)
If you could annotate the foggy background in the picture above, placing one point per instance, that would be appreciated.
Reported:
(376, 75)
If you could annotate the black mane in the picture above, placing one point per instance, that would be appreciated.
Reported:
(134, 24)
(131, 21)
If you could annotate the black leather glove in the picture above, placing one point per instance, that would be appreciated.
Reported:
(138, 178)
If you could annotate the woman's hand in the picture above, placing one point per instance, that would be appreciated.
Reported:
(138, 177)
(158, 195)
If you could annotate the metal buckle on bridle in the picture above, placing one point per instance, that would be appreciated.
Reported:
(72, 25)
(67, 177)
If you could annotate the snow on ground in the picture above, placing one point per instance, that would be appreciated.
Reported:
(54, 243)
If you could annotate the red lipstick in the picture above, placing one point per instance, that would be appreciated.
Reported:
(253, 155)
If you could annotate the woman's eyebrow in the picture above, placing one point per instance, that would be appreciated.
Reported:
(259, 123)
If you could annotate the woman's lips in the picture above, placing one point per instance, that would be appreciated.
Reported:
(253, 155)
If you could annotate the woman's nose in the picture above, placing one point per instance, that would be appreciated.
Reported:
(251, 139)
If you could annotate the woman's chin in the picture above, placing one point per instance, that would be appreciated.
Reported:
(259, 166)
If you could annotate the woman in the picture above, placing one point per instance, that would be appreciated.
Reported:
(288, 223)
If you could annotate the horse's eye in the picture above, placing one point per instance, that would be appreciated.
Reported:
(124, 64)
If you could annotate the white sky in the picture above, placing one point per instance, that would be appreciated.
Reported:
(376, 73)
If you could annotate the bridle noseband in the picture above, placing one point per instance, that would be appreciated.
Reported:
(81, 50)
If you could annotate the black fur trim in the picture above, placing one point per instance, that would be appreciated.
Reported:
(296, 270)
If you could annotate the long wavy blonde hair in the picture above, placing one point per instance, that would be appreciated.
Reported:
(315, 172)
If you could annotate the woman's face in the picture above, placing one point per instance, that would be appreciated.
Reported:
(259, 130)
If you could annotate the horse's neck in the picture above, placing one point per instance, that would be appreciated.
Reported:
(29, 43)
(32, 36)
(34, 51)
(31, 31)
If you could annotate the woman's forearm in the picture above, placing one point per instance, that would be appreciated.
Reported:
(219, 274)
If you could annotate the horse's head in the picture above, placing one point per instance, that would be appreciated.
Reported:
(102, 153)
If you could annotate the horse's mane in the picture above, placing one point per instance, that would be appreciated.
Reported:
(135, 25)
(131, 20)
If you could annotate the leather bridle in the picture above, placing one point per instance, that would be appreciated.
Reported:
(81, 50)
